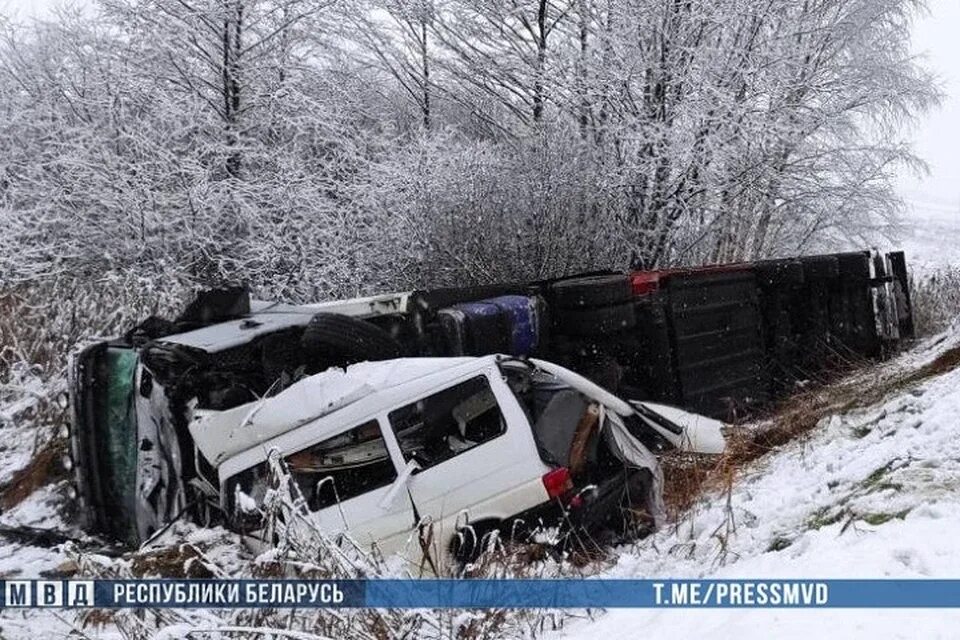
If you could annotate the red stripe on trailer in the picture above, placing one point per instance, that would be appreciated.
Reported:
(644, 282)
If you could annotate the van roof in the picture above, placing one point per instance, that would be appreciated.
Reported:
(222, 434)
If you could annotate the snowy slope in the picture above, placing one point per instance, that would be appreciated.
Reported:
(871, 494)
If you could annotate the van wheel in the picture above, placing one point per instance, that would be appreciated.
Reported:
(345, 340)
(469, 542)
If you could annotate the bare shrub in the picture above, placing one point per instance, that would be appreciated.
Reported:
(304, 551)
(936, 300)
(689, 478)
(41, 325)
(44, 468)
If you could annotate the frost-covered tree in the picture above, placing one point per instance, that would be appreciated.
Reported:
(209, 138)
(321, 147)
(396, 37)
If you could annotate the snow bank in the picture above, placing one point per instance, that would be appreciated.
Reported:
(871, 494)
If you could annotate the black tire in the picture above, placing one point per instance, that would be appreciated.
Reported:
(634, 521)
(597, 321)
(594, 291)
(345, 340)
(465, 546)
(470, 541)
(609, 518)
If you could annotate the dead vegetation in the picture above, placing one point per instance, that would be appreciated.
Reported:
(25, 340)
(936, 300)
(689, 477)
(180, 561)
(306, 554)
(46, 467)
(41, 324)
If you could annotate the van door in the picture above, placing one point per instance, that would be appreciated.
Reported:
(344, 481)
(476, 455)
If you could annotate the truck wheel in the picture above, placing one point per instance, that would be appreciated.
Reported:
(345, 339)
(596, 321)
(279, 352)
(593, 291)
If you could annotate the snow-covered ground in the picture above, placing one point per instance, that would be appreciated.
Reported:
(871, 493)
(874, 493)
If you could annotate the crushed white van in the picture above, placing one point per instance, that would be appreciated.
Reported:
(428, 454)
(194, 418)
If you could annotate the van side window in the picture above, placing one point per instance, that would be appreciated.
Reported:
(440, 426)
(341, 467)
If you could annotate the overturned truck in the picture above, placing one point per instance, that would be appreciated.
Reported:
(432, 417)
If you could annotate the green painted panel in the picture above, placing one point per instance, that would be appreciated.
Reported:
(119, 439)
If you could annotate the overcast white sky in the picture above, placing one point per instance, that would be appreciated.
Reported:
(937, 139)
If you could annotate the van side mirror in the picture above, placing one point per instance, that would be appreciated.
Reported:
(398, 485)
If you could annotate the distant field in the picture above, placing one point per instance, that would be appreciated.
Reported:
(931, 238)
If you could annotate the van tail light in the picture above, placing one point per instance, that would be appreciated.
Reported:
(557, 482)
